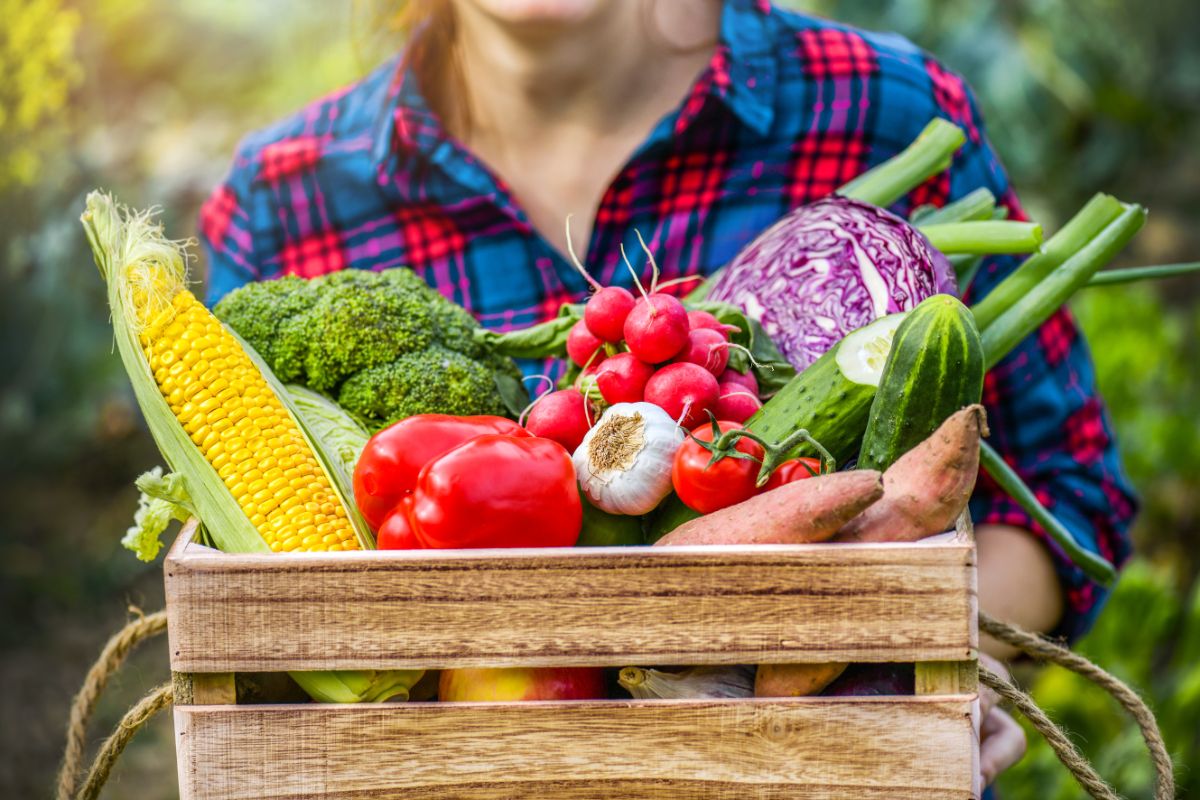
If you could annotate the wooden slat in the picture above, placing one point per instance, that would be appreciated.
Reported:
(947, 677)
(556, 607)
(807, 748)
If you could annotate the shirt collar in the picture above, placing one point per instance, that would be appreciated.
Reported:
(742, 75)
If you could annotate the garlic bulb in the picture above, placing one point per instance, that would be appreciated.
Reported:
(624, 462)
(694, 682)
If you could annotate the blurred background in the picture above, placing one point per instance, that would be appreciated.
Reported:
(148, 97)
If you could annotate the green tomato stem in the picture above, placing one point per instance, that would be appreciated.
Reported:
(984, 237)
(774, 453)
(1096, 568)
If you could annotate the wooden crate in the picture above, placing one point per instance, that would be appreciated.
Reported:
(572, 607)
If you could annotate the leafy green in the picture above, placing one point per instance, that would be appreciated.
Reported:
(163, 499)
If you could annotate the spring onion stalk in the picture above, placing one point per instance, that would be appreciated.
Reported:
(984, 237)
(1030, 311)
(1078, 232)
(977, 205)
(1096, 568)
(927, 156)
(1113, 277)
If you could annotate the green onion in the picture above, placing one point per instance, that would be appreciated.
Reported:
(927, 156)
(984, 237)
(1030, 310)
(1078, 232)
(977, 205)
(1113, 277)
(1096, 568)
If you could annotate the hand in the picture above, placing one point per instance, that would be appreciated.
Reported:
(1001, 739)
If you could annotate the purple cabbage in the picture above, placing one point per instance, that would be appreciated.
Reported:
(827, 268)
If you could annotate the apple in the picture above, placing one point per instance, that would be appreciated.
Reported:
(521, 683)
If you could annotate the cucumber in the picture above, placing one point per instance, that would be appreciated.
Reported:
(832, 398)
(935, 368)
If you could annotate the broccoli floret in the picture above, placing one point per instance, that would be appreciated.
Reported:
(385, 343)
(436, 380)
(260, 312)
(352, 327)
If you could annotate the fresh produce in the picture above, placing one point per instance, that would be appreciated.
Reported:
(564, 416)
(623, 378)
(928, 487)
(498, 490)
(708, 347)
(736, 402)
(606, 311)
(513, 684)
(688, 684)
(832, 398)
(393, 458)
(583, 346)
(338, 432)
(707, 486)
(624, 462)
(934, 368)
(794, 680)
(213, 409)
(657, 328)
(687, 392)
(794, 469)
(396, 531)
(699, 318)
(744, 378)
(798, 512)
(829, 268)
(385, 344)
(601, 529)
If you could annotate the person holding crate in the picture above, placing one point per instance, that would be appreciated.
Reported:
(699, 123)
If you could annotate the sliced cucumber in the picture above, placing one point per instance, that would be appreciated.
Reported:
(832, 398)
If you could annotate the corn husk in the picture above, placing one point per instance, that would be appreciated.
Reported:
(691, 683)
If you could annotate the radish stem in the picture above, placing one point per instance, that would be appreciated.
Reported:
(595, 284)
(650, 257)
(636, 278)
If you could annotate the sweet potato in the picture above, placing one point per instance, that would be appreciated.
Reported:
(928, 487)
(810, 510)
(794, 680)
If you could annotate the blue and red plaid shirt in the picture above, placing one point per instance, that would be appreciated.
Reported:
(789, 108)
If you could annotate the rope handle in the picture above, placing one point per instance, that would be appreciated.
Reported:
(146, 627)
(1043, 649)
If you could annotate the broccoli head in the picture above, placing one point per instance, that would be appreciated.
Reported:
(437, 380)
(384, 343)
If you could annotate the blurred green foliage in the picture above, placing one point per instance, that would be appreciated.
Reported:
(148, 98)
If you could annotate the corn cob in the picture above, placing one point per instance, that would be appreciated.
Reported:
(258, 479)
(230, 412)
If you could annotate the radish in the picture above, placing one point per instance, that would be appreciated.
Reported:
(657, 328)
(685, 391)
(583, 346)
(622, 378)
(736, 403)
(745, 379)
(705, 319)
(606, 311)
(563, 416)
(706, 347)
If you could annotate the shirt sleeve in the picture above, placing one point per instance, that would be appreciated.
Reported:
(1044, 410)
(226, 235)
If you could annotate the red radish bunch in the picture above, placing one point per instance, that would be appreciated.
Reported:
(564, 416)
(649, 348)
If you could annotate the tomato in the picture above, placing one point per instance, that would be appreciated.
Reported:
(389, 465)
(396, 532)
(498, 491)
(794, 469)
(706, 488)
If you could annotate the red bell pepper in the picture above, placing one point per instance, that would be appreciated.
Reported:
(498, 491)
(390, 462)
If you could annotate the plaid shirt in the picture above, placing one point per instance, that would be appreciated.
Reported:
(789, 108)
